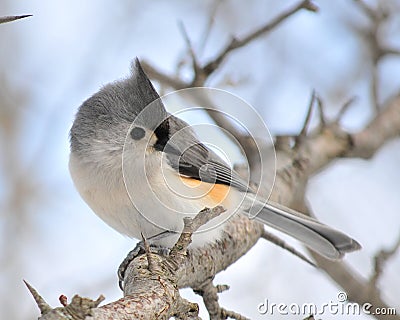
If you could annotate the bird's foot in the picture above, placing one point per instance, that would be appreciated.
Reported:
(137, 251)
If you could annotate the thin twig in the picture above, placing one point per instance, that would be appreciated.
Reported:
(280, 243)
(366, 9)
(195, 64)
(378, 17)
(210, 24)
(306, 123)
(238, 43)
(321, 113)
(150, 263)
(303, 132)
(209, 293)
(41, 303)
(374, 86)
(391, 51)
(232, 314)
(13, 18)
(190, 226)
(344, 109)
(162, 77)
(379, 262)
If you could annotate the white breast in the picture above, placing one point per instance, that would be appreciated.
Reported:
(148, 202)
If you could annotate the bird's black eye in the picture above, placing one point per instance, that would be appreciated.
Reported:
(137, 133)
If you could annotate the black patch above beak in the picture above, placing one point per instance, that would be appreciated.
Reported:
(162, 133)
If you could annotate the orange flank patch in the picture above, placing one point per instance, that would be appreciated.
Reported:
(192, 183)
(214, 193)
(218, 193)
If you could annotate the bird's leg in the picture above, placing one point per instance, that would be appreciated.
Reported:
(137, 251)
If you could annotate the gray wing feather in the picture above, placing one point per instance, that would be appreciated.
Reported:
(323, 239)
(193, 159)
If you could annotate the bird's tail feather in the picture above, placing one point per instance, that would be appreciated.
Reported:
(321, 238)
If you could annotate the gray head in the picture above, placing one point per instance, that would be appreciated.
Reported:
(103, 121)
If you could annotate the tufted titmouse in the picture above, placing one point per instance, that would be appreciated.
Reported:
(142, 169)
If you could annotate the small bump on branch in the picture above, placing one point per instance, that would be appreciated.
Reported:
(191, 225)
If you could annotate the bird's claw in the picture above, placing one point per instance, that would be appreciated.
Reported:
(137, 251)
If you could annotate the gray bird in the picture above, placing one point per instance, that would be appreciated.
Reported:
(141, 170)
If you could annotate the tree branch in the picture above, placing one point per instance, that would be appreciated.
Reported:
(235, 43)
(378, 16)
(209, 292)
(201, 264)
(323, 146)
(384, 127)
(148, 293)
(162, 77)
(282, 244)
(201, 74)
(13, 18)
(154, 292)
(379, 261)
(317, 150)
